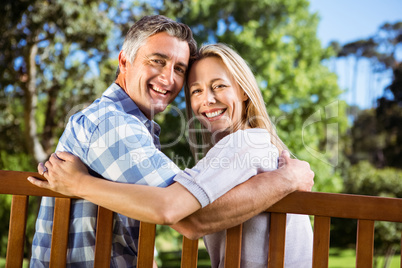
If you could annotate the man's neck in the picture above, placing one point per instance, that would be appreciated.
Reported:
(121, 81)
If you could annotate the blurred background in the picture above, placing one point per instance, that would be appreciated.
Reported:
(330, 73)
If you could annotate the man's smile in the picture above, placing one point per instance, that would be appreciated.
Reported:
(158, 89)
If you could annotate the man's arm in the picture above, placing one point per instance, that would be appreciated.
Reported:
(249, 199)
(126, 153)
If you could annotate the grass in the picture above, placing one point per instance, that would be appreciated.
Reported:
(3, 263)
(338, 258)
(346, 258)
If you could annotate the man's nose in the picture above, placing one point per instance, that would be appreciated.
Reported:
(166, 76)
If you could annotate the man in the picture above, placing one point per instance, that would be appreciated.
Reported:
(117, 139)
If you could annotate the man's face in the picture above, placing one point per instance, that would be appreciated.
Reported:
(157, 74)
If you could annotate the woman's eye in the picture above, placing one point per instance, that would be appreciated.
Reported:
(219, 86)
(195, 91)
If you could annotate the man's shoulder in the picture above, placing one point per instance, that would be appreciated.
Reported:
(99, 111)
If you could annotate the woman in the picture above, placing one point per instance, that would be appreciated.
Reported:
(223, 95)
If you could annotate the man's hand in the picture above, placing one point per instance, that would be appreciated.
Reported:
(65, 173)
(297, 173)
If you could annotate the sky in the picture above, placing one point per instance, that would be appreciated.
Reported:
(350, 20)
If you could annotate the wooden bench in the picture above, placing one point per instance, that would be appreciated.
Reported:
(323, 206)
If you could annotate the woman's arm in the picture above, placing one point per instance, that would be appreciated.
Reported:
(249, 198)
(145, 203)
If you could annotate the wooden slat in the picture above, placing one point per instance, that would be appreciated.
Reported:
(16, 232)
(189, 256)
(146, 245)
(341, 206)
(233, 246)
(277, 236)
(61, 223)
(322, 227)
(16, 183)
(314, 203)
(103, 244)
(364, 244)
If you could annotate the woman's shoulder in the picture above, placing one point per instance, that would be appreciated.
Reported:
(259, 135)
(251, 138)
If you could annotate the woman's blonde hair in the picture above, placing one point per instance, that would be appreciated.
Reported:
(255, 115)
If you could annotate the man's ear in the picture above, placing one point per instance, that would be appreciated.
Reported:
(122, 62)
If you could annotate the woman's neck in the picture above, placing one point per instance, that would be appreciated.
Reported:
(220, 134)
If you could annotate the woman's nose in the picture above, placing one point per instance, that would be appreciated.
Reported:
(209, 98)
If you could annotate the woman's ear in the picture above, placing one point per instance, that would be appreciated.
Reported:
(245, 96)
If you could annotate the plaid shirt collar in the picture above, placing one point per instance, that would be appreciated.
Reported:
(117, 94)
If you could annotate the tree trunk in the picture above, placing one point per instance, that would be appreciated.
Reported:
(388, 256)
(49, 119)
(354, 85)
(31, 101)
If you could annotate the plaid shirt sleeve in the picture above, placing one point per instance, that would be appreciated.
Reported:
(122, 150)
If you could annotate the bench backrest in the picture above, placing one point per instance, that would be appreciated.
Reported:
(323, 206)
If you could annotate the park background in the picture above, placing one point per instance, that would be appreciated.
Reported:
(330, 73)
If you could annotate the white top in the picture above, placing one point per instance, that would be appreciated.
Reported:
(254, 251)
(230, 162)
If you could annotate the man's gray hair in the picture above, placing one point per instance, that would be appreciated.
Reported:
(147, 26)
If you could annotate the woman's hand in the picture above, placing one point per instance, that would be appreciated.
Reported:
(64, 172)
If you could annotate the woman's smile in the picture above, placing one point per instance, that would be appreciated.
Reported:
(214, 114)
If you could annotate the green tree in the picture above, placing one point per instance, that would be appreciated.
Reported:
(46, 52)
(376, 134)
(363, 178)
(375, 142)
(389, 119)
(380, 49)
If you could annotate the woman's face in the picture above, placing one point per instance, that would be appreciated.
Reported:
(216, 99)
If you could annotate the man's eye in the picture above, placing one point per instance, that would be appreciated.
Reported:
(180, 70)
(157, 61)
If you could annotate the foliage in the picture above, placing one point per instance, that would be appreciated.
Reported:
(375, 140)
(46, 51)
(382, 47)
(365, 179)
(376, 134)
(389, 118)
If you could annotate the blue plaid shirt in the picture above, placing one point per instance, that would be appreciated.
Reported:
(115, 140)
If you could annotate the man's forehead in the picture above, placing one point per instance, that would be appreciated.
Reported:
(166, 45)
